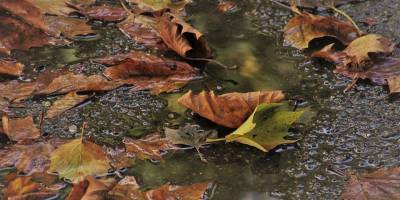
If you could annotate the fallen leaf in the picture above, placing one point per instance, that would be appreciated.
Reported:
(14, 91)
(153, 5)
(141, 29)
(65, 103)
(267, 127)
(320, 5)
(90, 189)
(23, 188)
(329, 54)
(149, 147)
(67, 26)
(146, 71)
(369, 21)
(303, 28)
(20, 129)
(227, 6)
(26, 10)
(77, 159)
(231, 109)
(28, 159)
(11, 67)
(60, 7)
(118, 158)
(394, 84)
(181, 37)
(128, 189)
(105, 13)
(381, 184)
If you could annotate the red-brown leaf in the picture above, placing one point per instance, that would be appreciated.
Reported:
(20, 129)
(11, 67)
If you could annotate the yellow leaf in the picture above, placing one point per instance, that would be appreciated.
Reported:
(78, 159)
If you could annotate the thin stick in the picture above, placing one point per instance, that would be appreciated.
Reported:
(201, 155)
(351, 85)
(281, 4)
(345, 15)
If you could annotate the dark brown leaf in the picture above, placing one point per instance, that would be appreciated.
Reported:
(11, 67)
(20, 129)
(383, 184)
(231, 109)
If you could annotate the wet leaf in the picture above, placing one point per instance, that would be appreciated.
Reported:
(77, 159)
(329, 54)
(267, 127)
(60, 7)
(318, 4)
(383, 184)
(20, 129)
(105, 13)
(67, 26)
(149, 147)
(128, 189)
(303, 28)
(154, 5)
(141, 29)
(181, 37)
(28, 159)
(394, 84)
(227, 6)
(14, 91)
(90, 189)
(11, 67)
(146, 71)
(65, 103)
(23, 188)
(231, 109)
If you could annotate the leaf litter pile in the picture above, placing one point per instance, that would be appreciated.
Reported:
(45, 166)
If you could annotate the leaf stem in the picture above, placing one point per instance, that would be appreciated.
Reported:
(345, 15)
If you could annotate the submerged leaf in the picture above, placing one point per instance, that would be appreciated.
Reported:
(266, 128)
(20, 129)
(383, 184)
(303, 28)
(231, 109)
(77, 159)
(67, 102)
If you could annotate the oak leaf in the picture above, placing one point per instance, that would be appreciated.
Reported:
(231, 109)
(77, 159)
(20, 129)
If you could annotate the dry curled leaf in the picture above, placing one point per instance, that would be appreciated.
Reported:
(77, 159)
(11, 67)
(303, 28)
(231, 109)
(383, 184)
(20, 129)
(181, 37)
(65, 103)
(150, 147)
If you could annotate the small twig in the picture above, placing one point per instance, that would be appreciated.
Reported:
(351, 85)
(345, 15)
(281, 4)
(213, 61)
(201, 155)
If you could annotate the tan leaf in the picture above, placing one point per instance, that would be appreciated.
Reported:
(23, 188)
(77, 159)
(65, 103)
(231, 109)
(181, 37)
(105, 13)
(11, 67)
(394, 84)
(14, 91)
(153, 5)
(150, 147)
(303, 28)
(90, 189)
(20, 129)
(383, 184)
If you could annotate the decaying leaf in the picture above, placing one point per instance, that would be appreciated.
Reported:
(154, 5)
(90, 189)
(67, 102)
(60, 7)
(181, 37)
(14, 91)
(329, 54)
(67, 26)
(394, 84)
(303, 28)
(28, 159)
(77, 159)
(11, 67)
(267, 127)
(23, 188)
(383, 184)
(150, 147)
(128, 189)
(146, 71)
(20, 129)
(231, 109)
(227, 6)
(105, 13)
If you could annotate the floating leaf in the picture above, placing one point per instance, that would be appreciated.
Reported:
(77, 159)
(67, 102)
(303, 28)
(11, 67)
(230, 109)
(20, 129)
(383, 184)
(266, 128)
(150, 147)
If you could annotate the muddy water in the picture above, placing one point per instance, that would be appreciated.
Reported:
(349, 131)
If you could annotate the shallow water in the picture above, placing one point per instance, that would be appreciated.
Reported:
(349, 131)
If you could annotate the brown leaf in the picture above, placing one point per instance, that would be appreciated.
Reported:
(23, 188)
(394, 84)
(15, 91)
(60, 7)
(30, 158)
(67, 102)
(227, 6)
(231, 109)
(146, 71)
(128, 189)
(105, 13)
(20, 129)
(176, 6)
(150, 147)
(118, 158)
(181, 37)
(11, 67)
(303, 28)
(67, 26)
(381, 184)
(90, 189)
